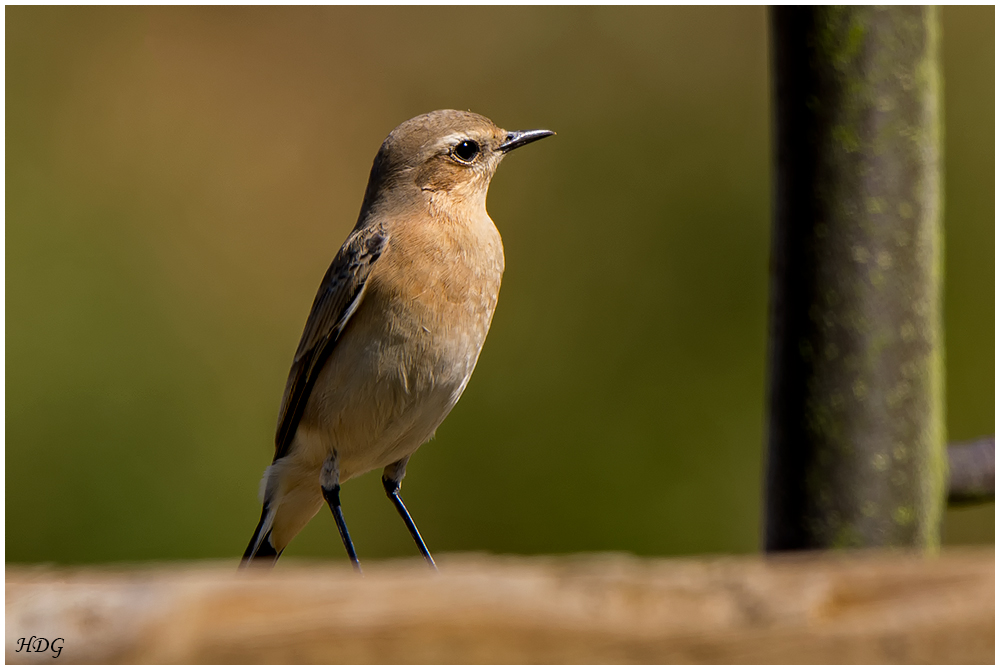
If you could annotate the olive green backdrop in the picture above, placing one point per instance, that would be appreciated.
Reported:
(178, 180)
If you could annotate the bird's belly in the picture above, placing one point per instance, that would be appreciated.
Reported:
(386, 388)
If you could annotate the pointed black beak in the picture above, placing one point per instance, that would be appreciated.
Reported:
(518, 138)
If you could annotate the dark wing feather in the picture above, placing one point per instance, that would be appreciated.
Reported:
(339, 295)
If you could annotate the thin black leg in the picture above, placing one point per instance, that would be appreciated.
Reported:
(332, 497)
(392, 490)
(329, 483)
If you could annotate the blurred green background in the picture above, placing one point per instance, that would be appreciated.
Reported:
(178, 180)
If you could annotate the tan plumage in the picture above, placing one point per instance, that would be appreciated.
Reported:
(397, 324)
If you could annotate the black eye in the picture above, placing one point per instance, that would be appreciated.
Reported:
(467, 150)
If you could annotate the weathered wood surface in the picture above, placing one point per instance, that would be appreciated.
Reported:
(833, 608)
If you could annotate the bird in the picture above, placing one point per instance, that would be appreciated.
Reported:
(395, 329)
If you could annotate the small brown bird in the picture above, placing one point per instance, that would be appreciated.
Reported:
(396, 327)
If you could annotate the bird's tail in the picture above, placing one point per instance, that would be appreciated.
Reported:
(260, 551)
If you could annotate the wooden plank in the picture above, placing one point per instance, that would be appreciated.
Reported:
(809, 608)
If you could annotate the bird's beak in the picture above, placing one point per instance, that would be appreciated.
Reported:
(518, 138)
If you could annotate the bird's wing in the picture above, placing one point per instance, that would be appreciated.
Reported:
(339, 295)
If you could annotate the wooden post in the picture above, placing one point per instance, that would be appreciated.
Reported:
(863, 607)
(856, 451)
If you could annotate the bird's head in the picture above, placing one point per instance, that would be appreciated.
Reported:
(444, 155)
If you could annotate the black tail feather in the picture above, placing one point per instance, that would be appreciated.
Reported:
(266, 554)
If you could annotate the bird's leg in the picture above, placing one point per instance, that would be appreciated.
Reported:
(392, 476)
(329, 482)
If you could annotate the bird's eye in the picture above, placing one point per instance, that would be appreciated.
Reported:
(466, 151)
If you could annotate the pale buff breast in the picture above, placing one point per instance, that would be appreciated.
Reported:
(408, 352)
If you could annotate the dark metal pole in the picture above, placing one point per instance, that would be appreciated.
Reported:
(972, 469)
(856, 452)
